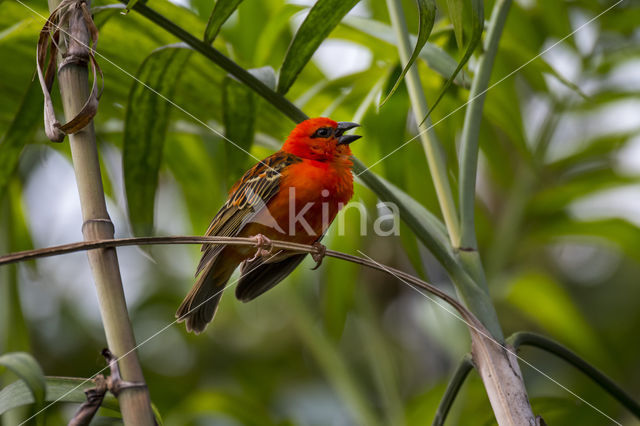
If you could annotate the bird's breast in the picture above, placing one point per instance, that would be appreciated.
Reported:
(310, 196)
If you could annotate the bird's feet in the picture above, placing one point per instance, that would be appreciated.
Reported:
(318, 255)
(264, 245)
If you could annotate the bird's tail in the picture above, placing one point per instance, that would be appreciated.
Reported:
(200, 305)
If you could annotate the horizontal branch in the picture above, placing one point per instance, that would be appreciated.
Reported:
(470, 319)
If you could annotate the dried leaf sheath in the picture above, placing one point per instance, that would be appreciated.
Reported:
(50, 42)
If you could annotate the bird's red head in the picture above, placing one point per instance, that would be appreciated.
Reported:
(320, 139)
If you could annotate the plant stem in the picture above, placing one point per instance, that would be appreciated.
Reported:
(524, 338)
(432, 149)
(74, 87)
(471, 128)
(469, 145)
(456, 382)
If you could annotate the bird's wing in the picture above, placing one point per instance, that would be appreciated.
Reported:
(246, 198)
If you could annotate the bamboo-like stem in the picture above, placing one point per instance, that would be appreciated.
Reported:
(73, 80)
(471, 128)
(524, 338)
(474, 296)
(477, 300)
(456, 382)
(432, 148)
(498, 367)
(469, 145)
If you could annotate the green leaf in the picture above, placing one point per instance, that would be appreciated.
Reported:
(146, 123)
(58, 389)
(102, 14)
(437, 59)
(477, 19)
(239, 114)
(455, 16)
(221, 12)
(275, 99)
(22, 127)
(27, 368)
(544, 301)
(322, 18)
(427, 16)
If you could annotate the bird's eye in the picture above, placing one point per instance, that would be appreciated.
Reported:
(323, 132)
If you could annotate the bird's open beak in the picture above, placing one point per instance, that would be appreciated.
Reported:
(343, 139)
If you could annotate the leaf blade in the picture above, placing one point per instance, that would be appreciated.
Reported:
(59, 389)
(146, 124)
(221, 12)
(323, 17)
(477, 18)
(27, 368)
(436, 58)
(427, 17)
(18, 133)
(455, 16)
(239, 118)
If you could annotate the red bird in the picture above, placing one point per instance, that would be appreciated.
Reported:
(292, 195)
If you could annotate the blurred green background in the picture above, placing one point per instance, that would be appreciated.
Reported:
(558, 215)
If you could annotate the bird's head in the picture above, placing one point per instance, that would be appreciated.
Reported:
(320, 139)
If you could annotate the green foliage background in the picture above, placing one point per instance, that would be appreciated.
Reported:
(557, 232)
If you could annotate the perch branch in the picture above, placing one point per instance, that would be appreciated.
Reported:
(471, 320)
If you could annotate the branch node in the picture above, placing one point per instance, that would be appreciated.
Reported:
(89, 222)
(467, 249)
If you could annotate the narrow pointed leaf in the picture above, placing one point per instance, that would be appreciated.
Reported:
(19, 132)
(28, 369)
(221, 12)
(437, 59)
(455, 16)
(477, 19)
(427, 16)
(322, 18)
(146, 123)
(239, 115)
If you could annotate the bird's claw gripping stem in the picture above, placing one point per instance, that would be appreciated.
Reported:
(264, 245)
(321, 251)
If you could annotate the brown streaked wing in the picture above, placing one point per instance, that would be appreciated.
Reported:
(254, 190)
